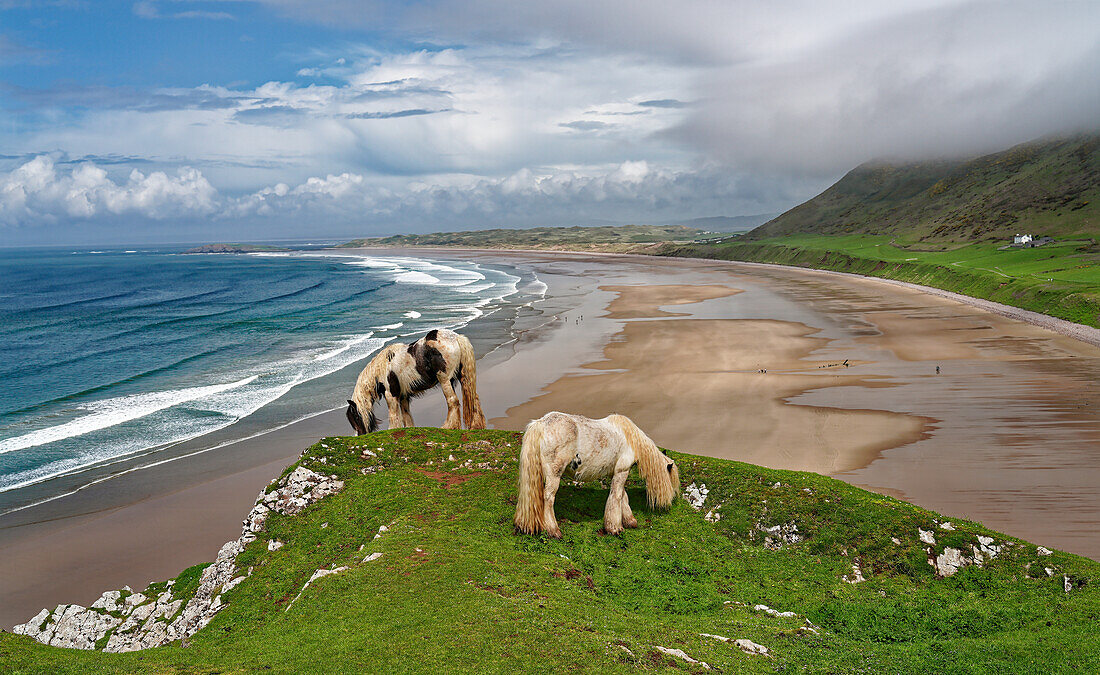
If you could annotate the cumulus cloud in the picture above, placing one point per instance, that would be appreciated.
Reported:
(476, 110)
(36, 192)
(566, 111)
(633, 191)
(39, 192)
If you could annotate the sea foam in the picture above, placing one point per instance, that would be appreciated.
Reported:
(114, 411)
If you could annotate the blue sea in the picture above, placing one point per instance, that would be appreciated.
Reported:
(117, 356)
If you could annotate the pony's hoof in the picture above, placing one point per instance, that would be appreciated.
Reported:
(630, 523)
(556, 534)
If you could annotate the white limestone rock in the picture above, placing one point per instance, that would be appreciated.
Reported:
(856, 576)
(986, 549)
(696, 495)
(776, 536)
(927, 536)
(148, 622)
(949, 562)
(33, 627)
(256, 519)
(679, 653)
(300, 489)
(71, 626)
(750, 647)
(134, 599)
(774, 612)
(108, 602)
(316, 575)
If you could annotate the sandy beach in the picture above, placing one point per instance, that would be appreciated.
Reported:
(781, 367)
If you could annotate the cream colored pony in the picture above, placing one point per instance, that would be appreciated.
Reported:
(587, 449)
(400, 372)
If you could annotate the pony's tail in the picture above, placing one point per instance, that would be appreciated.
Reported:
(472, 415)
(662, 476)
(529, 506)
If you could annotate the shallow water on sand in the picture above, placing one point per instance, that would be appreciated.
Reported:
(1008, 432)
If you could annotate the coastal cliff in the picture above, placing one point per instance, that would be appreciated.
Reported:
(395, 550)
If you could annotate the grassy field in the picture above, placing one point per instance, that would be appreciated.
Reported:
(1060, 279)
(456, 591)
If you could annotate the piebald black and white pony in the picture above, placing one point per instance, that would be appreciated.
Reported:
(401, 371)
(585, 449)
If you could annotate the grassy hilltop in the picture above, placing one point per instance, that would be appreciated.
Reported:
(1048, 187)
(455, 590)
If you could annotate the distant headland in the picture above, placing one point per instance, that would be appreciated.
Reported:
(234, 248)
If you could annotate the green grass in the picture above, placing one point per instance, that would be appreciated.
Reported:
(456, 590)
(1060, 279)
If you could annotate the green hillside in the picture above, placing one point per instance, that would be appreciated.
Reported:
(455, 590)
(1046, 187)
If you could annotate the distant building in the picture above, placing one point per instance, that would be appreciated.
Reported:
(1022, 239)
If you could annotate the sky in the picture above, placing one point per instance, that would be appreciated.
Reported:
(177, 120)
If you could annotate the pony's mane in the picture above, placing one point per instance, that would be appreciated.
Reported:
(662, 481)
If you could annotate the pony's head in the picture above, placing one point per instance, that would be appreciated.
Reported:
(673, 477)
(662, 476)
(356, 419)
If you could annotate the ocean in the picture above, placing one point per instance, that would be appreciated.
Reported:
(112, 359)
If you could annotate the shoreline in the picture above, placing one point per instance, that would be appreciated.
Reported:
(148, 522)
(1077, 331)
(588, 348)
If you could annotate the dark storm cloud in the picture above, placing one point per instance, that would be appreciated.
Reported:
(813, 86)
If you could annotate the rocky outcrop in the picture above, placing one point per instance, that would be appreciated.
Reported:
(750, 647)
(696, 495)
(777, 536)
(125, 621)
(950, 560)
(680, 654)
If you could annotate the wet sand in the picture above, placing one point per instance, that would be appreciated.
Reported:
(1006, 434)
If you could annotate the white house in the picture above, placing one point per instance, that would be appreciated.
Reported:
(1022, 239)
